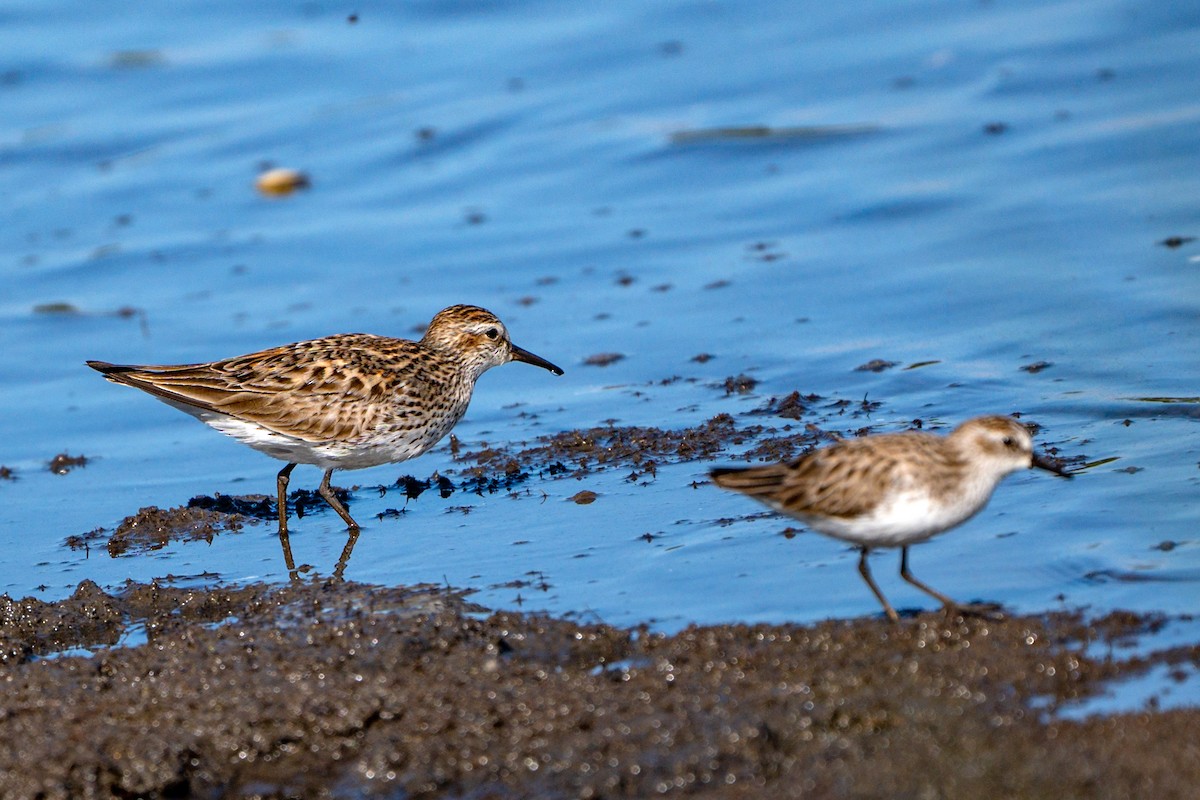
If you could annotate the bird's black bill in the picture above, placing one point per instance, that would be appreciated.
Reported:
(1050, 465)
(527, 357)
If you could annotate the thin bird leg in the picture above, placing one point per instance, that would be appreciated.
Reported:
(908, 576)
(865, 571)
(986, 610)
(326, 491)
(282, 482)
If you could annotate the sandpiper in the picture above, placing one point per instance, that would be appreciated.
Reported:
(893, 490)
(347, 401)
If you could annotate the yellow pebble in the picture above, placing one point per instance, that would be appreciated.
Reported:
(281, 180)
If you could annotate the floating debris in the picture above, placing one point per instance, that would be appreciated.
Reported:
(759, 132)
(1037, 367)
(740, 384)
(66, 309)
(602, 359)
(281, 181)
(875, 365)
(153, 528)
(793, 406)
(62, 463)
(136, 59)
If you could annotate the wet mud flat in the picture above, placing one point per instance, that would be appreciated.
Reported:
(338, 689)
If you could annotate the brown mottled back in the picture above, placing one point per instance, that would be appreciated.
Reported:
(845, 479)
(312, 390)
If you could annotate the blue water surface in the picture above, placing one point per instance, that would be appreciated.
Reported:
(794, 189)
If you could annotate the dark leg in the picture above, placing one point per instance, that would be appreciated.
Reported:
(986, 611)
(865, 571)
(285, 474)
(289, 562)
(327, 492)
(908, 576)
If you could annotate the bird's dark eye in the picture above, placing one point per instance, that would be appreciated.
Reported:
(1008, 441)
(492, 333)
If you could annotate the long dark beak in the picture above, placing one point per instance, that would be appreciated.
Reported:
(1050, 465)
(519, 354)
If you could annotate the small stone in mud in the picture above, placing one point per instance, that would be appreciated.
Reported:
(740, 384)
(721, 284)
(1166, 546)
(995, 128)
(1036, 367)
(703, 358)
(875, 365)
(586, 497)
(62, 463)
(7, 474)
(602, 359)
(1177, 241)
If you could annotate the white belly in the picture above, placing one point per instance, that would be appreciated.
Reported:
(387, 449)
(904, 518)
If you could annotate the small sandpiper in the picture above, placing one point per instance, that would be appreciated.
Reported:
(893, 490)
(348, 401)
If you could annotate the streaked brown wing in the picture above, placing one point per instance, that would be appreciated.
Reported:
(843, 480)
(263, 387)
(837, 481)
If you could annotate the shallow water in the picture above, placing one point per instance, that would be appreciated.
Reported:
(982, 186)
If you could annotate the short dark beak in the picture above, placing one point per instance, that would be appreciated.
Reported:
(1050, 465)
(519, 354)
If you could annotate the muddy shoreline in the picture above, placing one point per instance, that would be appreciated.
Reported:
(338, 689)
(326, 688)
